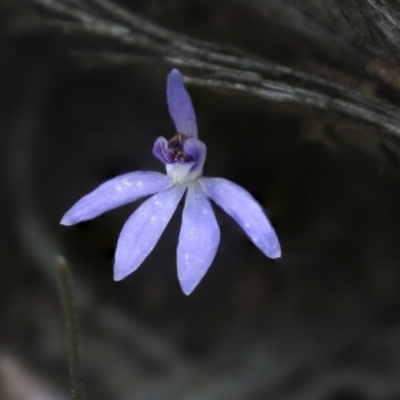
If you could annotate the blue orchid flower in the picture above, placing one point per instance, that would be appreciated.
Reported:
(199, 237)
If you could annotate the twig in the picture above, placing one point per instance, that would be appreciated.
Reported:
(219, 66)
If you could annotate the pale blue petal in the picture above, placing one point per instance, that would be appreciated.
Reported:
(246, 211)
(116, 192)
(143, 229)
(161, 151)
(198, 239)
(180, 105)
(198, 151)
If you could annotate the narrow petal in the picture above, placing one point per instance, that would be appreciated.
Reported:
(116, 192)
(198, 151)
(143, 229)
(198, 239)
(161, 151)
(246, 211)
(180, 105)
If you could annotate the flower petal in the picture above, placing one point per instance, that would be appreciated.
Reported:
(180, 105)
(143, 229)
(246, 211)
(116, 192)
(198, 151)
(198, 238)
(161, 151)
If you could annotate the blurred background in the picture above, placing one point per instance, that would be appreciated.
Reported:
(321, 323)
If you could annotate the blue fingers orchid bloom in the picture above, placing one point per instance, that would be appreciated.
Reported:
(199, 237)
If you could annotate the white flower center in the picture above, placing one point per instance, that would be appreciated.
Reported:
(180, 172)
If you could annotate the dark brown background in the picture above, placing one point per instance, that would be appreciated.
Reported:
(321, 323)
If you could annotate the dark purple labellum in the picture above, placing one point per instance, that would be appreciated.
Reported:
(175, 149)
(172, 152)
(176, 154)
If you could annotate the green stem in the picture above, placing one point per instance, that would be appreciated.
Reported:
(72, 326)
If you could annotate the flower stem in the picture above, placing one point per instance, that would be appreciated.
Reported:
(72, 326)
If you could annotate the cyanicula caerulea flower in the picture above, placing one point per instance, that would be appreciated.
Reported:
(184, 157)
